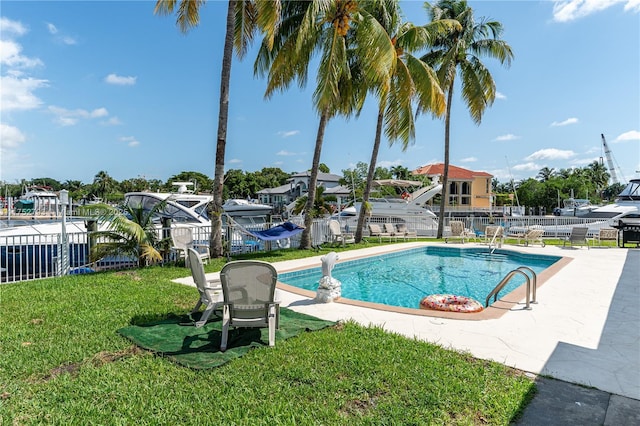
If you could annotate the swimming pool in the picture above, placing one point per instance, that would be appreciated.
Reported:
(403, 278)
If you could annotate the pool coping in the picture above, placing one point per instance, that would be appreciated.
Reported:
(512, 301)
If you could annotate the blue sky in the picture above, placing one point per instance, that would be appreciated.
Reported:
(89, 86)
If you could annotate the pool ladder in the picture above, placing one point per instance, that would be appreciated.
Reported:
(531, 289)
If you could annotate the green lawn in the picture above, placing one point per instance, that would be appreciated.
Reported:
(62, 362)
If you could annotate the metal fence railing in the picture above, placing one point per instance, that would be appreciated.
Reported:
(27, 257)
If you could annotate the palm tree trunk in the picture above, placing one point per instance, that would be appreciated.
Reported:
(305, 239)
(215, 211)
(445, 178)
(370, 176)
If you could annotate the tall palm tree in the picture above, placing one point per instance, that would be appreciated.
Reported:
(345, 36)
(408, 80)
(242, 21)
(546, 173)
(103, 183)
(597, 174)
(461, 50)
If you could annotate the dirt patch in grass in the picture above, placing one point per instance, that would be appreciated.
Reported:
(97, 360)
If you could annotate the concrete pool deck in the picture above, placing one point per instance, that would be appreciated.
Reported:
(585, 328)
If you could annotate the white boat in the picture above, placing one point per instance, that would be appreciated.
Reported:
(627, 202)
(239, 207)
(407, 204)
(38, 200)
(574, 207)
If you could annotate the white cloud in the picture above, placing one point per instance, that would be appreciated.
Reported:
(286, 153)
(10, 137)
(120, 80)
(17, 93)
(64, 39)
(66, 117)
(468, 160)
(234, 161)
(112, 121)
(551, 154)
(632, 135)
(9, 28)
(579, 162)
(500, 95)
(11, 56)
(288, 133)
(507, 137)
(632, 5)
(130, 140)
(526, 167)
(569, 10)
(566, 122)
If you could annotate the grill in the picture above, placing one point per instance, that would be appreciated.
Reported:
(630, 234)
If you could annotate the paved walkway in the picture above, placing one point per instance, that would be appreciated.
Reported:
(585, 328)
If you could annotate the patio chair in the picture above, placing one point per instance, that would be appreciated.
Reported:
(605, 234)
(249, 288)
(578, 235)
(531, 236)
(337, 236)
(182, 239)
(405, 232)
(457, 231)
(494, 234)
(210, 291)
(391, 230)
(376, 231)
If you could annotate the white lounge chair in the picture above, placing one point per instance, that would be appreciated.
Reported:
(531, 236)
(249, 287)
(376, 231)
(390, 229)
(405, 232)
(210, 291)
(337, 236)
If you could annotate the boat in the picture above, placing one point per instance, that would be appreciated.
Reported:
(410, 202)
(574, 207)
(627, 202)
(239, 207)
(38, 200)
(409, 207)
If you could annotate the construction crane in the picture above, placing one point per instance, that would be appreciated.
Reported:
(609, 155)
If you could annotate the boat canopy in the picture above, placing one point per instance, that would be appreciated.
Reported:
(396, 182)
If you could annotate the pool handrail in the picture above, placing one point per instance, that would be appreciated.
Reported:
(507, 278)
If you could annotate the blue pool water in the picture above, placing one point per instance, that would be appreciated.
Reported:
(404, 278)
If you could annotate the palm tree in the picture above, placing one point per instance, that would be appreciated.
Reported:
(408, 80)
(461, 50)
(545, 174)
(598, 175)
(243, 19)
(130, 230)
(103, 183)
(345, 36)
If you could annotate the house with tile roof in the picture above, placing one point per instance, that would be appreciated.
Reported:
(467, 189)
